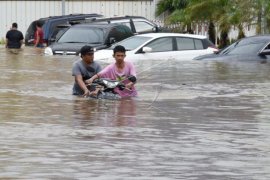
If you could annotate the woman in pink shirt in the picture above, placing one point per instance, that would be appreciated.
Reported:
(120, 70)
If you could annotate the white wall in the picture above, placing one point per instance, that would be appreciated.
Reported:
(24, 12)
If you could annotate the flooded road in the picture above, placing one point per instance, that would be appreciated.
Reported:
(192, 120)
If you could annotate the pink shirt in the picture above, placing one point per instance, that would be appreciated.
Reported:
(111, 72)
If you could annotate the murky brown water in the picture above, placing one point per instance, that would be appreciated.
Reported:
(193, 120)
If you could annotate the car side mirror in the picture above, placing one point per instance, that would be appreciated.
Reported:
(265, 52)
(155, 29)
(112, 40)
(146, 49)
(52, 40)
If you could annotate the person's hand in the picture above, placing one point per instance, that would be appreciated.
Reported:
(88, 81)
(86, 93)
(94, 93)
(129, 85)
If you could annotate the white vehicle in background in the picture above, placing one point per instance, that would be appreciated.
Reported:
(161, 46)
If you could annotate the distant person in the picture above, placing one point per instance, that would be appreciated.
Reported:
(14, 37)
(120, 70)
(38, 39)
(84, 69)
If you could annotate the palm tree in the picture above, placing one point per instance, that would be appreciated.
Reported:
(175, 10)
(223, 14)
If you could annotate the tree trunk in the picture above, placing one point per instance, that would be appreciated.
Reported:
(259, 21)
(212, 32)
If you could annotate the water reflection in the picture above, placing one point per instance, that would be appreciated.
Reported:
(105, 113)
(192, 120)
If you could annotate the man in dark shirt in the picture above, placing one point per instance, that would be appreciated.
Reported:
(14, 37)
(84, 69)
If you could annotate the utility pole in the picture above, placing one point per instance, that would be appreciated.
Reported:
(63, 7)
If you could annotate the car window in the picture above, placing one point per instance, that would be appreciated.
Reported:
(198, 44)
(252, 48)
(120, 32)
(142, 26)
(267, 47)
(82, 35)
(126, 24)
(53, 27)
(161, 45)
(185, 43)
(132, 42)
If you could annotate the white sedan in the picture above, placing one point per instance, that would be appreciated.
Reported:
(161, 46)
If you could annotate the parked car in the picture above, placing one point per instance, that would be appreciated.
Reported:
(161, 46)
(137, 24)
(49, 26)
(99, 36)
(255, 48)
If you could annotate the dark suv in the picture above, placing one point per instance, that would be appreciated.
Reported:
(50, 26)
(99, 36)
(137, 24)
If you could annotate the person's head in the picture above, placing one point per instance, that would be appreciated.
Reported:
(38, 24)
(119, 53)
(14, 25)
(87, 54)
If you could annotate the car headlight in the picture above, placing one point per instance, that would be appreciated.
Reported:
(48, 51)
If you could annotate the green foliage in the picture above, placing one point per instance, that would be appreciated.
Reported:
(224, 14)
(170, 6)
(2, 41)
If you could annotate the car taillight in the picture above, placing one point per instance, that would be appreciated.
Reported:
(215, 49)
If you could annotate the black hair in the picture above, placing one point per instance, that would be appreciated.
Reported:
(86, 49)
(119, 48)
(39, 24)
(14, 25)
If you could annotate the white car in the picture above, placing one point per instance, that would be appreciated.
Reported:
(161, 46)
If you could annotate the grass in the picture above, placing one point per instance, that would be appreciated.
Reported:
(2, 41)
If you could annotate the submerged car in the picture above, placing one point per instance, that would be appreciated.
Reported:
(254, 48)
(99, 36)
(50, 26)
(137, 24)
(163, 46)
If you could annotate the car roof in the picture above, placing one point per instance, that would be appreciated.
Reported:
(70, 16)
(255, 39)
(98, 25)
(117, 18)
(155, 35)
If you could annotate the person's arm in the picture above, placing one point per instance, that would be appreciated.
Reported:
(90, 81)
(21, 42)
(132, 73)
(22, 38)
(38, 38)
(79, 80)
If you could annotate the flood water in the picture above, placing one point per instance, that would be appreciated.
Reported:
(192, 120)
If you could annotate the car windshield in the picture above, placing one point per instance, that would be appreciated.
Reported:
(132, 42)
(247, 49)
(238, 48)
(82, 35)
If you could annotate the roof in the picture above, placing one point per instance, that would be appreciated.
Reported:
(98, 25)
(118, 18)
(154, 35)
(72, 15)
(257, 38)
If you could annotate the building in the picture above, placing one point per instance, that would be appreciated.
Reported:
(24, 12)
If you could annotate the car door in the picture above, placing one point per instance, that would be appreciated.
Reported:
(162, 49)
(188, 48)
(142, 26)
